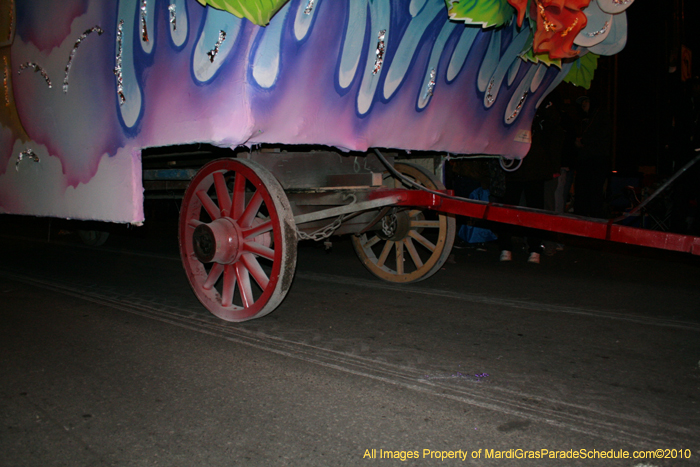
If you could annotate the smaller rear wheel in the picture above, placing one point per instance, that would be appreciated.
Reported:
(408, 244)
(93, 237)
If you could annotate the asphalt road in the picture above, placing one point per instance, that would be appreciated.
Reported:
(108, 359)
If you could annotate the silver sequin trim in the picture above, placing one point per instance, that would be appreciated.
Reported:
(144, 17)
(380, 52)
(517, 110)
(431, 83)
(599, 31)
(28, 154)
(213, 52)
(36, 68)
(118, 68)
(75, 49)
(173, 18)
(489, 97)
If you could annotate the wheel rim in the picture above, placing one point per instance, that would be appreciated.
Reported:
(237, 239)
(408, 245)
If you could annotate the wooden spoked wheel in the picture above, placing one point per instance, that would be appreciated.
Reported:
(238, 240)
(408, 244)
(93, 237)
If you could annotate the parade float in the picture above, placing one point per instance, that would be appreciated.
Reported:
(272, 113)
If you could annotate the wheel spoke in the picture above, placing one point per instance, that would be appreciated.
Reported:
(239, 206)
(238, 195)
(413, 252)
(421, 239)
(425, 223)
(256, 270)
(246, 219)
(222, 194)
(371, 242)
(244, 284)
(399, 257)
(257, 230)
(260, 250)
(229, 286)
(424, 244)
(385, 253)
(213, 276)
(208, 205)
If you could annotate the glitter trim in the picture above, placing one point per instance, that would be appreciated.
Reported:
(517, 110)
(38, 69)
(75, 49)
(548, 26)
(118, 67)
(489, 96)
(12, 21)
(599, 31)
(566, 31)
(26, 154)
(5, 82)
(213, 52)
(380, 52)
(144, 17)
(173, 18)
(551, 27)
(431, 83)
(309, 7)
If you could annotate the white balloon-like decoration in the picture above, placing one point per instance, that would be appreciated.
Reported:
(614, 7)
(606, 29)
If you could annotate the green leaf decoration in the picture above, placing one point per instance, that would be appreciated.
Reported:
(484, 13)
(530, 56)
(582, 71)
(257, 11)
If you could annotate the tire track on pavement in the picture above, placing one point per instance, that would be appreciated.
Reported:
(633, 430)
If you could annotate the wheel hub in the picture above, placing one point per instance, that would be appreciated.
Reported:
(218, 242)
(395, 226)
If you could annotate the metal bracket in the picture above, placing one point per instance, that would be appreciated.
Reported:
(350, 208)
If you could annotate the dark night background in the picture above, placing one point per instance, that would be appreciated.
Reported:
(643, 90)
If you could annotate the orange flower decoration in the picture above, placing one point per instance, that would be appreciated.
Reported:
(558, 24)
(521, 7)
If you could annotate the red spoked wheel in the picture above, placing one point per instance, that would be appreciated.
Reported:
(238, 241)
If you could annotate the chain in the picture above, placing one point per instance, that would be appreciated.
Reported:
(327, 231)
(389, 225)
(323, 232)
